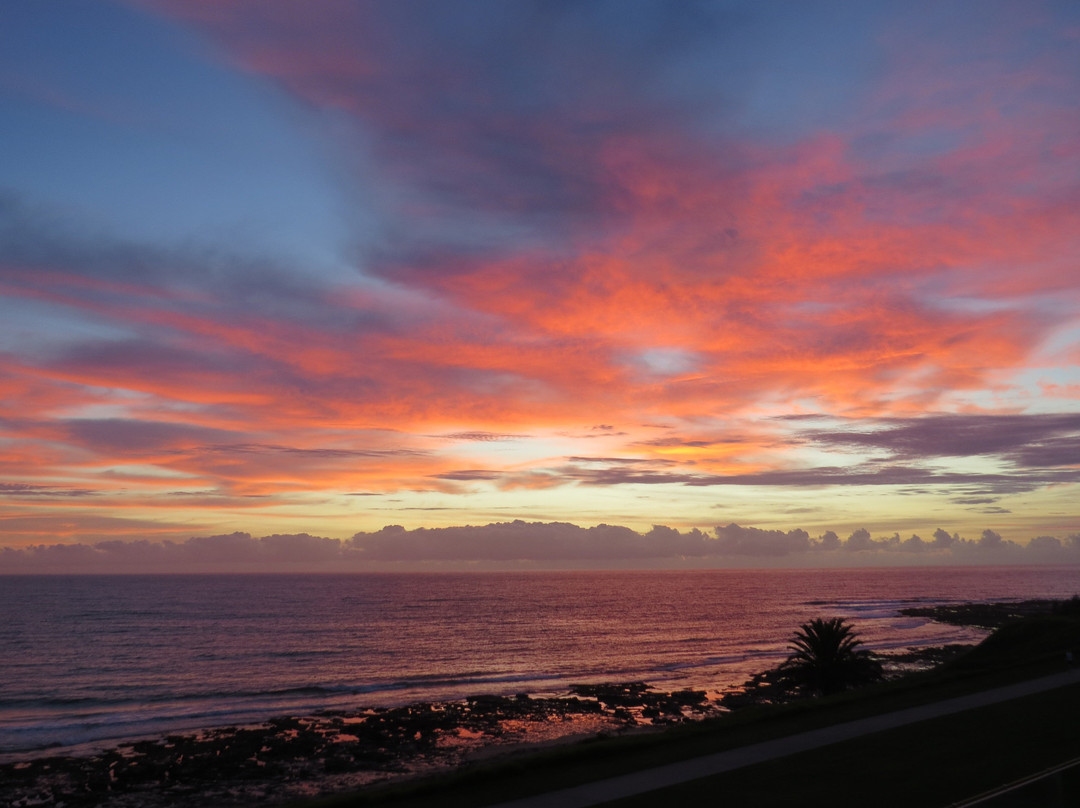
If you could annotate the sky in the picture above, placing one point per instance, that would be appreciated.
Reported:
(624, 282)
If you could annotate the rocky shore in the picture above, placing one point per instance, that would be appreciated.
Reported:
(990, 615)
(291, 757)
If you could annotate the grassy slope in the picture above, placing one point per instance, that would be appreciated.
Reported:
(931, 763)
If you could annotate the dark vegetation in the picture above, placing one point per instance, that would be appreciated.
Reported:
(825, 659)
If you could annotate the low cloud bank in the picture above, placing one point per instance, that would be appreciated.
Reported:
(535, 543)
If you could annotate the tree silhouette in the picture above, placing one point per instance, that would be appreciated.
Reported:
(826, 658)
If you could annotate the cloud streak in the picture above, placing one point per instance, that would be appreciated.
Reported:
(1028, 440)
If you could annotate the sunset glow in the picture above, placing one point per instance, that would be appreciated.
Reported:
(310, 270)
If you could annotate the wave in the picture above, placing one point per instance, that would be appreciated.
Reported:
(46, 723)
(227, 651)
(29, 723)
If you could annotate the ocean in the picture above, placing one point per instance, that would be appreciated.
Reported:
(99, 659)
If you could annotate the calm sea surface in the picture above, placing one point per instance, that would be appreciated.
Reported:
(95, 658)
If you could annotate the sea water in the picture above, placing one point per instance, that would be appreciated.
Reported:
(103, 658)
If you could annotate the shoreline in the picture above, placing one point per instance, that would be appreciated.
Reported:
(290, 758)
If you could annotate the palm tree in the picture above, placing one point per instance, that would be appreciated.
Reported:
(826, 658)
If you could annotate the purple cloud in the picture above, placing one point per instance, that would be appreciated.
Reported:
(17, 490)
(519, 542)
(131, 436)
(617, 471)
(736, 540)
(1030, 441)
(482, 437)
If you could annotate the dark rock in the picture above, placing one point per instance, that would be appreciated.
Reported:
(983, 615)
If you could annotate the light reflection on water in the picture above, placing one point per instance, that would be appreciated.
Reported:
(107, 657)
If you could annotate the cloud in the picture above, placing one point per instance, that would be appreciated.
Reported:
(1051, 450)
(203, 553)
(24, 525)
(942, 539)
(1046, 546)
(607, 213)
(48, 254)
(470, 106)
(508, 541)
(483, 437)
(735, 540)
(1037, 440)
(602, 471)
(130, 436)
(829, 541)
(468, 475)
(262, 448)
(859, 540)
(666, 443)
(914, 544)
(19, 490)
(530, 543)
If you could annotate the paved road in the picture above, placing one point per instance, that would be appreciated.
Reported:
(674, 773)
